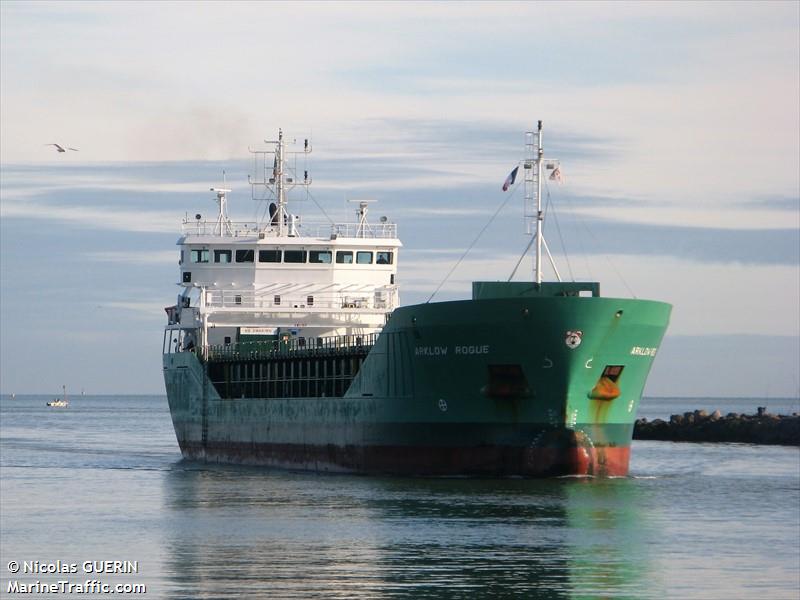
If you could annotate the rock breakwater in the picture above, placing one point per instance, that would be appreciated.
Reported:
(699, 426)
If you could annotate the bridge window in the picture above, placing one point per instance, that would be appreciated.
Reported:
(245, 256)
(364, 258)
(294, 256)
(269, 256)
(222, 256)
(200, 256)
(319, 256)
(344, 257)
(276, 300)
(310, 300)
(384, 258)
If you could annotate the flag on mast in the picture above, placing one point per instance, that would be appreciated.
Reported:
(556, 175)
(512, 177)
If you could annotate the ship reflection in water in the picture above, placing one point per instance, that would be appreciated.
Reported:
(241, 532)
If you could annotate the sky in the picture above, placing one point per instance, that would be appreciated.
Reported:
(677, 126)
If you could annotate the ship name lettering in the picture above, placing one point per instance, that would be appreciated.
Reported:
(472, 349)
(643, 351)
(431, 351)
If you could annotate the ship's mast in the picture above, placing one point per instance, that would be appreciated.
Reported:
(278, 182)
(280, 190)
(534, 171)
(539, 213)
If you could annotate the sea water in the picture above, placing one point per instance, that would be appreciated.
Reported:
(97, 494)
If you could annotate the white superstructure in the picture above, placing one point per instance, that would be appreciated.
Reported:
(282, 279)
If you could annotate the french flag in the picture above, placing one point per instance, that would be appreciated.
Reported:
(512, 177)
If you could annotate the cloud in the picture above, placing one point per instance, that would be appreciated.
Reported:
(581, 238)
(90, 218)
(134, 257)
(146, 310)
(779, 203)
(770, 363)
(152, 198)
(444, 211)
(672, 122)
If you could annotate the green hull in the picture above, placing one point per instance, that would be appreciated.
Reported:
(508, 384)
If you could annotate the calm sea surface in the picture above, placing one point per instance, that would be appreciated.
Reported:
(103, 480)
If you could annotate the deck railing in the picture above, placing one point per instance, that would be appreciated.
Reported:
(252, 230)
(293, 347)
(280, 297)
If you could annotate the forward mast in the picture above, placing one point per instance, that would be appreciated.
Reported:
(535, 165)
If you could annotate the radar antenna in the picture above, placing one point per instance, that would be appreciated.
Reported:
(363, 227)
(223, 226)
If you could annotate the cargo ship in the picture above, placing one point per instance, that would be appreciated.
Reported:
(287, 347)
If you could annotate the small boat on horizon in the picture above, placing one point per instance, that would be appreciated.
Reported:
(60, 402)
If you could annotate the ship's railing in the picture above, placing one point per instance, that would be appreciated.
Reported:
(252, 230)
(231, 229)
(275, 298)
(358, 230)
(293, 347)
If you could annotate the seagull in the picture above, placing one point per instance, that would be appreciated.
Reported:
(62, 149)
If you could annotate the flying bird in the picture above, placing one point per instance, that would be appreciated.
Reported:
(61, 148)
